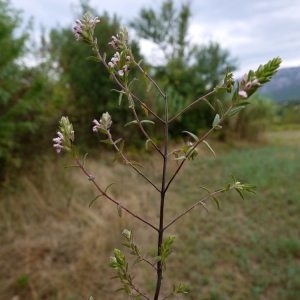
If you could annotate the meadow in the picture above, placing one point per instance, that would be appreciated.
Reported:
(54, 246)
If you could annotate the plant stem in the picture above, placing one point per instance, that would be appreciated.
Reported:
(162, 202)
(111, 199)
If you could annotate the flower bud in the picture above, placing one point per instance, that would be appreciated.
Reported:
(127, 234)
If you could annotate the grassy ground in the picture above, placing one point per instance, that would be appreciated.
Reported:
(53, 246)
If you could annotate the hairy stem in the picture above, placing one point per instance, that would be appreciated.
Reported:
(162, 202)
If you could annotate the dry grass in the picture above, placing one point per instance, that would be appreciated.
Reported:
(53, 246)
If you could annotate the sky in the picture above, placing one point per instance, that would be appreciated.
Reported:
(254, 31)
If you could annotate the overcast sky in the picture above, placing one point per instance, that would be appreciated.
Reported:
(254, 31)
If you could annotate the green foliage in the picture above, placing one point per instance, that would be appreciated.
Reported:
(27, 100)
(251, 123)
(189, 71)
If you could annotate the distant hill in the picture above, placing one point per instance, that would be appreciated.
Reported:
(285, 85)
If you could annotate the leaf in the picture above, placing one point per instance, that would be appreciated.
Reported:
(94, 200)
(236, 93)
(132, 122)
(146, 70)
(216, 120)
(180, 158)
(135, 163)
(72, 166)
(227, 187)
(242, 103)
(220, 89)
(217, 127)
(234, 180)
(220, 107)
(75, 152)
(217, 202)
(147, 142)
(84, 158)
(107, 142)
(119, 208)
(240, 193)
(94, 58)
(117, 141)
(205, 206)
(109, 186)
(208, 103)
(120, 98)
(140, 61)
(122, 146)
(209, 147)
(202, 187)
(116, 156)
(147, 121)
(104, 56)
(235, 111)
(192, 135)
(149, 86)
(145, 109)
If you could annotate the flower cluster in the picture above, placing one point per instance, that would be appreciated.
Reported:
(65, 137)
(120, 62)
(120, 42)
(247, 84)
(84, 30)
(104, 124)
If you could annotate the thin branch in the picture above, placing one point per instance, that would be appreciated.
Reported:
(137, 290)
(144, 132)
(111, 199)
(124, 89)
(147, 261)
(195, 145)
(197, 203)
(155, 84)
(193, 103)
(129, 163)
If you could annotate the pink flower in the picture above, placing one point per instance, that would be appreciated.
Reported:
(98, 125)
(243, 94)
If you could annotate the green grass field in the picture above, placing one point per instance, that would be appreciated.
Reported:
(53, 246)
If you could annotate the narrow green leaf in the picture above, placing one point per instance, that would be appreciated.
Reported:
(94, 200)
(234, 180)
(227, 187)
(120, 98)
(72, 166)
(119, 208)
(235, 111)
(192, 135)
(204, 188)
(126, 245)
(208, 103)
(147, 121)
(236, 93)
(149, 86)
(146, 70)
(117, 156)
(107, 142)
(147, 142)
(139, 62)
(205, 206)
(75, 152)
(216, 120)
(120, 289)
(145, 80)
(220, 107)
(109, 186)
(217, 127)
(117, 141)
(84, 158)
(104, 56)
(220, 89)
(180, 158)
(122, 146)
(144, 108)
(94, 58)
(135, 163)
(209, 147)
(132, 122)
(240, 193)
(217, 202)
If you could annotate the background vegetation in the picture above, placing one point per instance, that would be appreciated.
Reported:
(54, 247)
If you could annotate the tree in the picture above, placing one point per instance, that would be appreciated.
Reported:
(189, 70)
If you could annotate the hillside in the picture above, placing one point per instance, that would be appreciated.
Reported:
(285, 86)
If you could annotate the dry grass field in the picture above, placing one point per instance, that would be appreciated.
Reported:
(54, 247)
